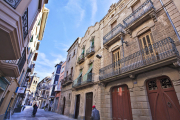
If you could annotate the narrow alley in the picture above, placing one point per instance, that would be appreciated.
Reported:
(40, 115)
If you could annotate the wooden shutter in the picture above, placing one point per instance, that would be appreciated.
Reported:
(116, 58)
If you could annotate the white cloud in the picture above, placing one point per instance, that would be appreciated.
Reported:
(77, 11)
(45, 66)
(94, 10)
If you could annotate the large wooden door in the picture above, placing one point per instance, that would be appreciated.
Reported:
(89, 101)
(77, 106)
(121, 105)
(163, 100)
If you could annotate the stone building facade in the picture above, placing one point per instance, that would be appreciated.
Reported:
(140, 61)
(69, 75)
(86, 91)
(135, 64)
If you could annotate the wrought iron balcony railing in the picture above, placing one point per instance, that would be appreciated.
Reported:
(140, 11)
(119, 28)
(83, 81)
(90, 51)
(66, 80)
(80, 59)
(155, 53)
(13, 3)
(20, 62)
(25, 23)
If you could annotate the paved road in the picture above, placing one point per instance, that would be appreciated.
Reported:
(40, 115)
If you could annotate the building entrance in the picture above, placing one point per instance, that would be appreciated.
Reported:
(163, 100)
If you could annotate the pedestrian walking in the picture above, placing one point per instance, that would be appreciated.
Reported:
(34, 110)
(95, 113)
(24, 107)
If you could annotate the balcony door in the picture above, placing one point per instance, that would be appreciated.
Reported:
(163, 100)
(146, 43)
(116, 58)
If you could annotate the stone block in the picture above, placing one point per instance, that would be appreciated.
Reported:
(139, 99)
(140, 105)
(141, 112)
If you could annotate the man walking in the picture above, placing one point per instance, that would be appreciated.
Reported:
(95, 113)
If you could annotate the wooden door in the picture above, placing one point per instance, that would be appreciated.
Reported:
(77, 106)
(121, 105)
(89, 101)
(64, 102)
(163, 100)
(116, 58)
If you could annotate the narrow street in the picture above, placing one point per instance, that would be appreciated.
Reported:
(40, 115)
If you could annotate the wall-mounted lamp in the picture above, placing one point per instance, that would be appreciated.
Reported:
(98, 56)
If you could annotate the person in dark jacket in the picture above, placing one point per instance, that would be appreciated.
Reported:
(34, 109)
(95, 113)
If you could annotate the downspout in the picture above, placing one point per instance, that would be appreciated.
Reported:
(122, 41)
(170, 19)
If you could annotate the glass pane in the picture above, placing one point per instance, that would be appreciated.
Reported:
(165, 83)
(152, 85)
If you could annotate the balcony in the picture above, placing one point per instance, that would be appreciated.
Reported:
(13, 68)
(86, 80)
(113, 36)
(58, 88)
(157, 55)
(81, 59)
(140, 15)
(90, 51)
(67, 80)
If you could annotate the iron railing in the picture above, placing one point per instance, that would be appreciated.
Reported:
(67, 79)
(140, 11)
(119, 28)
(90, 50)
(13, 3)
(154, 53)
(87, 78)
(80, 58)
(25, 23)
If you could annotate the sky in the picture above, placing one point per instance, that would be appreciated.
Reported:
(67, 20)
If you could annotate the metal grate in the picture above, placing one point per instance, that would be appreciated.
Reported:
(165, 83)
(152, 85)
(13, 3)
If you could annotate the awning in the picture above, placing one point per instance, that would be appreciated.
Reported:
(86, 75)
(76, 80)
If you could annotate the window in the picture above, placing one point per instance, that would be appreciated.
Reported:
(74, 52)
(92, 42)
(69, 95)
(31, 40)
(71, 71)
(62, 69)
(113, 25)
(116, 58)
(69, 58)
(136, 5)
(146, 42)
(83, 49)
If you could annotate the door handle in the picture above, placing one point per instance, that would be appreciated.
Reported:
(169, 104)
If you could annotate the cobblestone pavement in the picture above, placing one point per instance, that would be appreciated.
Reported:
(40, 115)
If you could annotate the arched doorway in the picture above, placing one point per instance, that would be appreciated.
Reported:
(163, 100)
(121, 105)
(64, 102)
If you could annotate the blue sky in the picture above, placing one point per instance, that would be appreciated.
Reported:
(67, 20)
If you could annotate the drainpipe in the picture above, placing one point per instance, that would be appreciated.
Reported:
(122, 41)
(170, 19)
